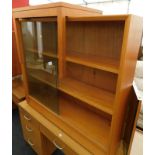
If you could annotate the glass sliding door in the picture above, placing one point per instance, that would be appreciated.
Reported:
(40, 49)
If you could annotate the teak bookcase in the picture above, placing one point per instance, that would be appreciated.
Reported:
(91, 57)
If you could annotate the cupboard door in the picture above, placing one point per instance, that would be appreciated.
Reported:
(40, 49)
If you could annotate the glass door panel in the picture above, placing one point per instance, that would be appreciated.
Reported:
(40, 49)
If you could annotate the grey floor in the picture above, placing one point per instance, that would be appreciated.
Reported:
(19, 146)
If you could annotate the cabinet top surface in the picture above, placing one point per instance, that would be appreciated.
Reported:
(53, 5)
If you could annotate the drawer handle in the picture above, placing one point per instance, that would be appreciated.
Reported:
(57, 146)
(28, 129)
(30, 142)
(28, 119)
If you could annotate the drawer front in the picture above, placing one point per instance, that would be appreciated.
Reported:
(30, 131)
(58, 143)
(32, 139)
(27, 118)
(62, 141)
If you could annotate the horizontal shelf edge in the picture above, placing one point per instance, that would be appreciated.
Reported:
(93, 65)
(106, 110)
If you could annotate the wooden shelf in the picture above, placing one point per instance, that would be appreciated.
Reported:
(45, 53)
(101, 140)
(49, 54)
(43, 77)
(96, 130)
(106, 64)
(93, 96)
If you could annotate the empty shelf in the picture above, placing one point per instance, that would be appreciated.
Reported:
(93, 96)
(97, 62)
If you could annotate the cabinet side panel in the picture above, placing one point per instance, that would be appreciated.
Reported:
(16, 68)
(130, 48)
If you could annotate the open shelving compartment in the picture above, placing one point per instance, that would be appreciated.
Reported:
(85, 119)
(84, 84)
(95, 44)
(92, 60)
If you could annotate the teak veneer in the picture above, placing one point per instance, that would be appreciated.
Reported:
(78, 68)
(18, 93)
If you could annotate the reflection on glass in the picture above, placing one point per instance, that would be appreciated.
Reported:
(40, 48)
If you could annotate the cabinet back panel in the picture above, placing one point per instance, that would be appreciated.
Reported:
(94, 77)
(49, 32)
(84, 119)
(96, 38)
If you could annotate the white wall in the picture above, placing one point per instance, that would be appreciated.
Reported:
(116, 7)
(119, 7)
(137, 7)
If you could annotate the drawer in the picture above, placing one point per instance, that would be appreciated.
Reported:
(33, 139)
(31, 131)
(58, 142)
(61, 140)
(27, 118)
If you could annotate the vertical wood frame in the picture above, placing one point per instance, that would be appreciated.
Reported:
(129, 53)
(20, 51)
(61, 43)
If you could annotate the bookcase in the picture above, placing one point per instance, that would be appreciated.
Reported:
(78, 68)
